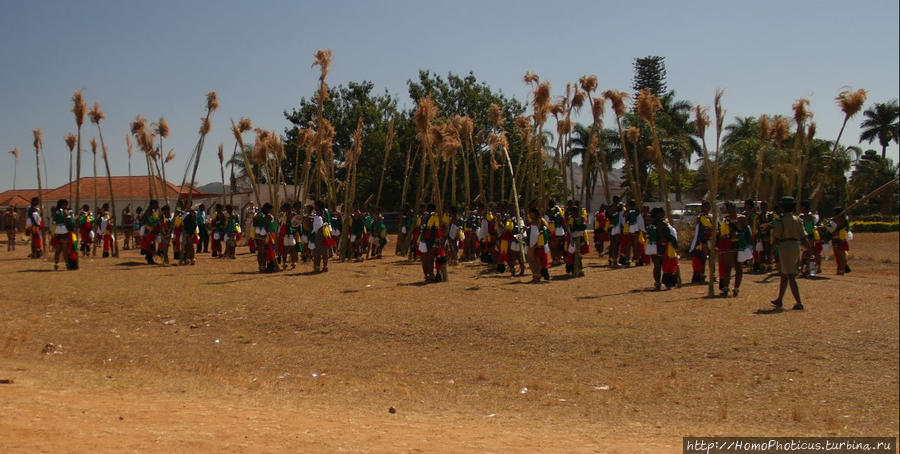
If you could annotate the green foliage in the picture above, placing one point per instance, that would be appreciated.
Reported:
(874, 226)
(881, 123)
(345, 106)
(649, 73)
(870, 172)
(453, 95)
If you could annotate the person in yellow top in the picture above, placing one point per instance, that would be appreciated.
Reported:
(703, 232)
(429, 243)
(727, 246)
(839, 229)
(788, 233)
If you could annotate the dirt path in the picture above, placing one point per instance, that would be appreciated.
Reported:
(40, 419)
(217, 358)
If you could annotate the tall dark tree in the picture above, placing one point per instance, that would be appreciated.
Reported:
(346, 105)
(466, 96)
(881, 123)
(870, 172)
(649, 73)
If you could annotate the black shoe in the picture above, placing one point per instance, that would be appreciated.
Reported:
(798, 307)
(545, 274)
(846, 268)
(777, 304)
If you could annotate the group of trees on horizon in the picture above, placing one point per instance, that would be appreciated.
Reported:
(579, 156)
(353, 145)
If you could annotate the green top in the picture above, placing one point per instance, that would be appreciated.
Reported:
(233, 222)
(63, 217)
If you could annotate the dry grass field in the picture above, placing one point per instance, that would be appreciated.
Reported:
(364, 358)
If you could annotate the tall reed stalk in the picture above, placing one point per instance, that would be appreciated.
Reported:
(79, 109)
(70, 141)
(15, 153)
(617, 101)
(648, 104)
(96, 115)
(850, 103)
(38, 145)
(801, 114)
(388, 144)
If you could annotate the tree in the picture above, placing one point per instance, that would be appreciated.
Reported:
(881, 123)
(870, 172)
(650, 74)
(464, 96)
(346, 104)
(578, 147)
(676, 141)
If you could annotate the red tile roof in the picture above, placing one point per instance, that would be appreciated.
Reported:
(14, 201)
(26, 194)
(123, 188)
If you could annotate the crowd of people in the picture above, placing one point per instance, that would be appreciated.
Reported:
(755, 239)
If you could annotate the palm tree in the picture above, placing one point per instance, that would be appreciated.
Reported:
(743, 128)
(677, 141)
(612, 149)
(881, 123)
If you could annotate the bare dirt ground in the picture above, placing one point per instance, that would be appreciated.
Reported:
(364, 358)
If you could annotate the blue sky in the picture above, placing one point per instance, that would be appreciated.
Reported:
(160, 58)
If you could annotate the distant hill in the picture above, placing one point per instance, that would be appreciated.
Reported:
(213, 188)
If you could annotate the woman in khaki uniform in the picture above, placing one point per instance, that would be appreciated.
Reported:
(788, 233)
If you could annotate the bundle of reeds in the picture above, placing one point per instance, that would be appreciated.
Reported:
(450, 146)
(212, 103)
(15, 153)
(523, 124)
(446, 146)
(161, 128)
(801, 114)
(243, 125)
(93, 143)
(145, 141)
(79, 109)
(804, 159)
(780, 131)
(465, 128)
(541, 106)
(38, 145)
(221, 155)
(423, 118)
(595, 149)
(850, 103)
(322, 59)
(765, 133)
(324, 149)
(129, 148)
(96, 115)
(407, 168)
(70, 141)
(617, 101)
(701, 122)
(350, 182)
(647, 106)
(495, 122)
